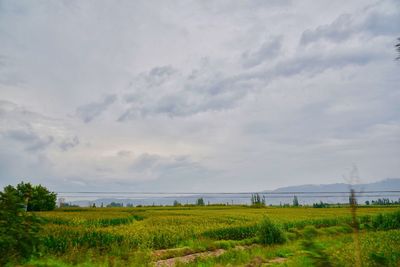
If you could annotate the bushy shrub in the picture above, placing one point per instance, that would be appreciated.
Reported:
(270, 233)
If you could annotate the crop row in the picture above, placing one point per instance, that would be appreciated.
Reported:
(149, 234)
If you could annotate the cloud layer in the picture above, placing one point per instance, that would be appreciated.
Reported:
(198, 96)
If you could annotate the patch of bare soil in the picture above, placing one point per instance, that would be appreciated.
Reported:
(188, 258)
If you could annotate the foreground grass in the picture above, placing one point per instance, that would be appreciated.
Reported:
(381, 248)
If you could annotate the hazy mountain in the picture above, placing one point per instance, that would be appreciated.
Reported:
(322, 192)
(384, 185)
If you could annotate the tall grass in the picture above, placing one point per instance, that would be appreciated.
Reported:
(126, 229)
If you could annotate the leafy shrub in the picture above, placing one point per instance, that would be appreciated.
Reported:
(18, 229)
(270, 233)
(386, 221)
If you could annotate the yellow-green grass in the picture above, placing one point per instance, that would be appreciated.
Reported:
(377, 248)
(167, 227)
(128, 236)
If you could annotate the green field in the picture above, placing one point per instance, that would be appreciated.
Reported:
(217, 236)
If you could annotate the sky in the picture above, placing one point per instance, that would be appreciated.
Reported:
(198, 96)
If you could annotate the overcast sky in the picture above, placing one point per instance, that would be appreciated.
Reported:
(198, 95)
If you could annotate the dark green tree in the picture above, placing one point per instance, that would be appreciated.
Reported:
(36, 198)
(200, 202)
(18, 229)
(257, 201)
(25, 191)
(295, 201)
(42, 199)
(115, 204)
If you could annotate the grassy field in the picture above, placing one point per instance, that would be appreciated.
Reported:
(217, 236)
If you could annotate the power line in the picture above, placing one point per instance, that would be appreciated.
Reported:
(223, 193)
(237, 197)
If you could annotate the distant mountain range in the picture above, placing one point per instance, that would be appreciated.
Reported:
(384, 185)
(307, 194)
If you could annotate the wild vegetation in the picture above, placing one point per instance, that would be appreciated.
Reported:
(19, 230)
(201, 235)
(130, 236)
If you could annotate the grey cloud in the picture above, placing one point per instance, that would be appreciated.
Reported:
(151, 79)
(161, 72)
(31, 140)
(32, 130)
(345, 26)
(69, 143)
(157, 163)
(238, 7)
(184, 94)
(90, 111)
(220, 92)
(145, 162)
(206, 89)
(340, 29)
(212, 82)
(15, 166)
(318, 62)
(269, 50)
(183, 104)
(41, 144)
(382, 24)
(157, 167)
(22, 136)
(130, 113)
(124, 153)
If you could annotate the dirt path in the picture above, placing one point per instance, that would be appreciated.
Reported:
(257, 261)
(188, 258)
